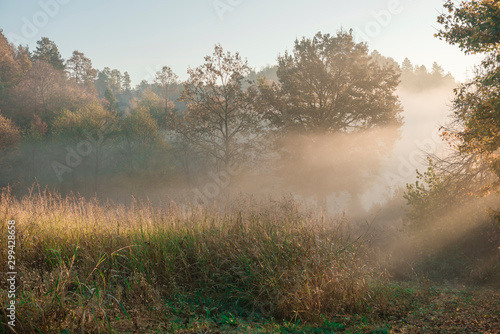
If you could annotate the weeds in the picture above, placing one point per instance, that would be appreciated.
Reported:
(86, 267)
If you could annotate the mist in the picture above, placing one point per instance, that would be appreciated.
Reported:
(334, 189)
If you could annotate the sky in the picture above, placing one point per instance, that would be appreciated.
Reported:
(141, 37)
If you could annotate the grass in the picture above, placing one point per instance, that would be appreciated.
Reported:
(90, 267)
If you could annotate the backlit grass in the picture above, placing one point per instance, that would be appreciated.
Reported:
(89, 267)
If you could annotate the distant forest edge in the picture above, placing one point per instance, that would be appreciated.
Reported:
(66, 124)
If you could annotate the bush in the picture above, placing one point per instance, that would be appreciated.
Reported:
(9, 134)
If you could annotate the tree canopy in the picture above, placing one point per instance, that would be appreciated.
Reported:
(332, 97)
(332, 84)
(473, 168)
(472, 25)
(47, 51)
(80, 68)
(9, 134)
(475, 27)
(221, 119)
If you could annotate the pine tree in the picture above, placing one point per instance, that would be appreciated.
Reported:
(46, 50)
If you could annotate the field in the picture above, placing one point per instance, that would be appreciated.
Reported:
(249, 167)
(251, 267)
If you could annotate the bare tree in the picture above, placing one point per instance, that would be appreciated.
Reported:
(221, 120)
(165, 80)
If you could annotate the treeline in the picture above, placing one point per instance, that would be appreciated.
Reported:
(65, 123)
(417, 78)
(414, 78)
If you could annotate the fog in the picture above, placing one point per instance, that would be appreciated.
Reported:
(214, 170)
(347, 172)
(338, 127)
(424, 113)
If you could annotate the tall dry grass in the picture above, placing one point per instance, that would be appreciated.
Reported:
(88, 267)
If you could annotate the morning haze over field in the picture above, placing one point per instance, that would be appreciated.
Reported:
(232, 166)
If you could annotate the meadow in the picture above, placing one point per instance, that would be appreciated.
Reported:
(250, 266)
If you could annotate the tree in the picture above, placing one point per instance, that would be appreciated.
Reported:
(44, 91)
(165, 80)
(126, 83)
(91, 125)
(10, 71)
(331, 84)
(269, 72)
(23, 56)
(10, 137)
(38, 93)
(115, 81)
(154, 104)
(47, 51)
(386, 62)
(140, 126)
(407, 66)
(9, 67)
(111, 102)
(112, 79)
(474, 133)
(80, 68)
(37, 130)
(437, 70)
(475, 27)
(331, 96)
(77, 124)
(450, 224)
(447, 184)
(102, 81)
(34, 136)
(143, 86)
(141, 134)
(221, 121)
(9, 134)
(421, 71)
(417, 78)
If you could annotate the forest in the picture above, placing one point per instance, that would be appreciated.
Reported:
(71, 127)
(245, 200)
